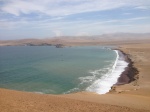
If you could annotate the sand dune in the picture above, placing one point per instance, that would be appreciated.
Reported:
(14, 101)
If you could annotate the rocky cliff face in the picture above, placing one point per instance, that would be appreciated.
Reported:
(131, 72)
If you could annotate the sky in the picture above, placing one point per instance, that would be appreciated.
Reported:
(21, 19)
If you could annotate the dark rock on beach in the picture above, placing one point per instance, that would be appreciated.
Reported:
(59, 45)
(42, 44)
(130, 74)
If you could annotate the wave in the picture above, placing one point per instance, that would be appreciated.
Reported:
(100, 81)
(104, 84)
(39, 92)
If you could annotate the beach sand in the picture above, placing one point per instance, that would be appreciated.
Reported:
(132, 97)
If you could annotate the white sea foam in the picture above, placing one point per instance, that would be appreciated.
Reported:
(39, 92)
(104, 84)
(72, 90)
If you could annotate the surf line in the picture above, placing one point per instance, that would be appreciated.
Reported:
(104, 84)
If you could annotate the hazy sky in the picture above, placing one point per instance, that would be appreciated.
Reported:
(47, 18)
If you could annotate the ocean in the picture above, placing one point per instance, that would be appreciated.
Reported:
(51, 70)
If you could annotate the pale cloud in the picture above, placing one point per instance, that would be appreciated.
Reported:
(142, 7)
(79, 25)
(19, 6)
(112, 22)
(57, 33)
(70, 17)
(6, 24)
(137, 18)
(67, 7)
(126, 13)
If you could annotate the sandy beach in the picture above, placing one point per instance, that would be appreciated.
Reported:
(132, 97)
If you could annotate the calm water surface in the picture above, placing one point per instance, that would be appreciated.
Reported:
(53, 70)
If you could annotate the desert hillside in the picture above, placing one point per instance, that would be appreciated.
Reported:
(109, 39)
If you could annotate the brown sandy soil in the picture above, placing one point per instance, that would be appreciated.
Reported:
(14, 101)
(133, 97)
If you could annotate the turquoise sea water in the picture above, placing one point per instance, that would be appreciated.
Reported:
(47, 69)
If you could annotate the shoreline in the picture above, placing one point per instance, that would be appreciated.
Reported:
(130, 71)
(123, 79)
(129, 74)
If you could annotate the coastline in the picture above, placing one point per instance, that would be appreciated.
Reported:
(131, 71)
(123, 79)
(130, 97)
(105, 84)
(129, 74)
